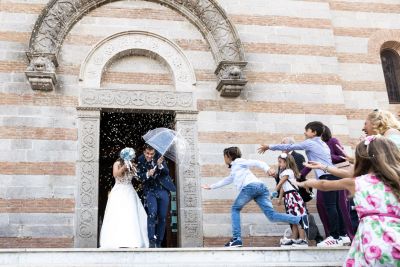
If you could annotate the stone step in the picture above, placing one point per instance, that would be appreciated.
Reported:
(173, 257)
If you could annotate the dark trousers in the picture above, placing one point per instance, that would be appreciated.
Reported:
(332, 207)
(157, 201)
(353, 215)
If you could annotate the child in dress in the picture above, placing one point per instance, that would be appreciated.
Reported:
(250, 188)
(376, 191)
(293, 202)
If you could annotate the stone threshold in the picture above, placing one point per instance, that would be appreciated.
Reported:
(207, 249)
(173, 257)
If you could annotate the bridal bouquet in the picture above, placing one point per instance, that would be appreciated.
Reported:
(128, 154)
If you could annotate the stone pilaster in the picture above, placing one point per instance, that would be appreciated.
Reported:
(190, 212)
(88, 173)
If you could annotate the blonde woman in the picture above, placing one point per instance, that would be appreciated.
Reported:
(384, 123)
(378, 122)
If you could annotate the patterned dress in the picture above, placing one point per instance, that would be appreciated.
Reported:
(377, 241)
(294, 204)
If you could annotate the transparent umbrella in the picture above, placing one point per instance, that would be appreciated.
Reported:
(168, 143)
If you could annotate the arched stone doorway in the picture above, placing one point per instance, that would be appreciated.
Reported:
(93, 99)
(59, 16)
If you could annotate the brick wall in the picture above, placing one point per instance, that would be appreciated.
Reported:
(299, 53)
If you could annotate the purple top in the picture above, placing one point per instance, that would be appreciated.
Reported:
(336, 153)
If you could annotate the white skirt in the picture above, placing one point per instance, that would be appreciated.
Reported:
(125, 220)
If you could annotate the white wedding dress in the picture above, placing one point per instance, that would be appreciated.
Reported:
(125, 220)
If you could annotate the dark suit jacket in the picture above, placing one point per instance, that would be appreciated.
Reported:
(161, 176)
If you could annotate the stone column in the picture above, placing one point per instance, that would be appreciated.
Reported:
(190, 224)
(86, 207)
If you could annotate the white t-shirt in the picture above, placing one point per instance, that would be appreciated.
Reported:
(286, 185)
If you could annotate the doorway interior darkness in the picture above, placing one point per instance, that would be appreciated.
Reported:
(125, 129)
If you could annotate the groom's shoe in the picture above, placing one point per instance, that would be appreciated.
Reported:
(158, 245)
(152, 244)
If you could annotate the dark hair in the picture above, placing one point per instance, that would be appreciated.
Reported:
(233, 152)
(120, 161)
(147, 146)
(327, 134)
(315, 126)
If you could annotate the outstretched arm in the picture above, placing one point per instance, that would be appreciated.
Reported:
(346, 156)
(285, 147)
(325, 185)
(256, 163)
(219, 184)
(342, 173)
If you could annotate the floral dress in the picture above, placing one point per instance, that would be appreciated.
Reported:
(377, 241)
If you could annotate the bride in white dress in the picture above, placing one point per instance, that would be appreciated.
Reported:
(125, 220)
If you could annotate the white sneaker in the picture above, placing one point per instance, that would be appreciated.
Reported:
(345, 240)
(300, 243)
(286, 241)
(330, 242)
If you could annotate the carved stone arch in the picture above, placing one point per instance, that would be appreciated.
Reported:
(131, 41)
(58, 17)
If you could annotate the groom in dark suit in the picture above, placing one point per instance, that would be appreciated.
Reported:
(157, 183)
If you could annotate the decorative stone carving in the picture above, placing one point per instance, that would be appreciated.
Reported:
(191, 225)
(87, 170)
(114, 98)
(130, 42)
(58, 17)
(190, 200)
(41, 73)
(231, 79)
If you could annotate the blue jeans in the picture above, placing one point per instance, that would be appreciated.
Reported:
(259, 192)
(157, 201)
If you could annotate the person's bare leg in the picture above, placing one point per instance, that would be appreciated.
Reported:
(295, 235)
(301, 232)
(295, 231)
